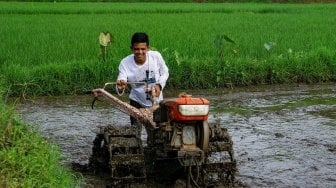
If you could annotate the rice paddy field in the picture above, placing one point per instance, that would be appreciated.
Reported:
(53, 48)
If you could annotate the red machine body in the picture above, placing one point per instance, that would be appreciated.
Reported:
(186, 108)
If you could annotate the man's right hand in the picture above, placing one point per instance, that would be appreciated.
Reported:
(121, 84)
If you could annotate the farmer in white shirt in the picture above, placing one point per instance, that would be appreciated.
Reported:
(143, 65)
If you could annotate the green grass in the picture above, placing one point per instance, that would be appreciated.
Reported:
(52, 48)
(27, 159)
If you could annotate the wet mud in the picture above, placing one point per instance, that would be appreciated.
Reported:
(284, 136)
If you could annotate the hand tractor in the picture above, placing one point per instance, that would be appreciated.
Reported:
(181, 145)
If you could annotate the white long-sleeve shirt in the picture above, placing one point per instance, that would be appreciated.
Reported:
(131, 72)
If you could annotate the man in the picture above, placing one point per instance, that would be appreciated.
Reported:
(143, 65)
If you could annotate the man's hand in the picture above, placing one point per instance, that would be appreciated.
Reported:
(157, 88)
(121, 84)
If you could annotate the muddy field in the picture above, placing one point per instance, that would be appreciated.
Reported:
(284, 136)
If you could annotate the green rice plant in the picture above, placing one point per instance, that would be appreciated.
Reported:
(70, 78)
(220, 44)
(57, 51)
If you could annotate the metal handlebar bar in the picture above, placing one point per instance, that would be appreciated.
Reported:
(116, 87)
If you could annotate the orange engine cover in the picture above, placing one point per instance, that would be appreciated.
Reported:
(185, 100)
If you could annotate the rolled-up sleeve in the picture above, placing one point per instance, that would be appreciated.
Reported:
(122, 74)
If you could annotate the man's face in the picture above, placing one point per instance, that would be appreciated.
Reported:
(139, 51)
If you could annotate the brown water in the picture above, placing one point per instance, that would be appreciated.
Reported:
(284, 136)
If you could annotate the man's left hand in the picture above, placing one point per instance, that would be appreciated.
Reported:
(157, 88)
